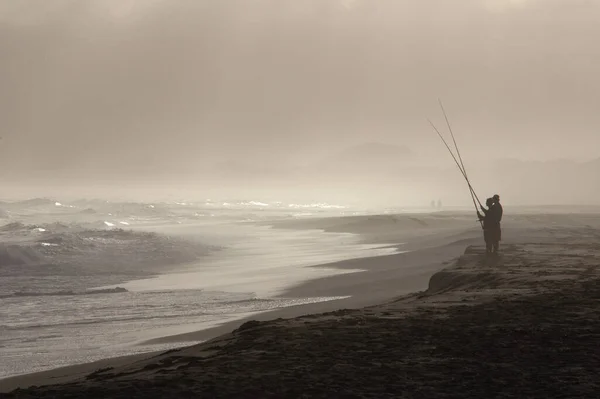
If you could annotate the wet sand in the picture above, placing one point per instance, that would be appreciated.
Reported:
(525, 324)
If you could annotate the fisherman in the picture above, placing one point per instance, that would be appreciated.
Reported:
(491, 225)
(497, 212)
(497, 207)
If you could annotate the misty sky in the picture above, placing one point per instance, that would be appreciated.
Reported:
(182, 84)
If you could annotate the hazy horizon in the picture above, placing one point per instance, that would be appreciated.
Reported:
(118, 91)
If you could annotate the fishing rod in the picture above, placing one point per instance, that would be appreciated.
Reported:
(458, 151)
(473, 195)
(451, 153)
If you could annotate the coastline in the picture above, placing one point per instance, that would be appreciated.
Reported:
(424, 257)
(379, 283)
(392, 275)
(414, 278)
(256, 260)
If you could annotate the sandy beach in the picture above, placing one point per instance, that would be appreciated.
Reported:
(440, 320)
(299, 199)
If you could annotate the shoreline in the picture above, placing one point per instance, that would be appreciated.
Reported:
(335, 246)
(371, 288)
(415, 282)
(421, 262)
(524, 324)
(426, 255)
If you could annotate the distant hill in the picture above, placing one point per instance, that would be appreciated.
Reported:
(376, 170)
(553, 182)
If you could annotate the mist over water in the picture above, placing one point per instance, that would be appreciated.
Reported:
(145, 146)
(319, 100)
(88, 279)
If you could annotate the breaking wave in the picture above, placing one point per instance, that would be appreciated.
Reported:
(115, 319)
(14, 226)
(34, 202)
(17, 255)
(65, 249)
(116, 290)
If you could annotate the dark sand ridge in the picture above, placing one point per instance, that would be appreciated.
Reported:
(408, 305)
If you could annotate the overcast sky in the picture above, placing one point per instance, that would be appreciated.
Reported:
(115, 83)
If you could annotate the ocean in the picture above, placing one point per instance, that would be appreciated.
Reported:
(91, 279)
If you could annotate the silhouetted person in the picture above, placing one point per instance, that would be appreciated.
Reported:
(497, 207)
(497, 212)
(491, 217)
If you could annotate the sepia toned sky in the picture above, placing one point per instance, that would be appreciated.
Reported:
(122, 84)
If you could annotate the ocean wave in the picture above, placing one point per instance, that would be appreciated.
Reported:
(34, 202)
(71, 249)
(18, 255)
(88, 208)
(171, 209)
(116, 290)
(14, 226)
(23, 229)
(248, 301)
(94, 321)
(254, 203)
(319, 205)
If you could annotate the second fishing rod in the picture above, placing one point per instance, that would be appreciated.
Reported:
(459, 162)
